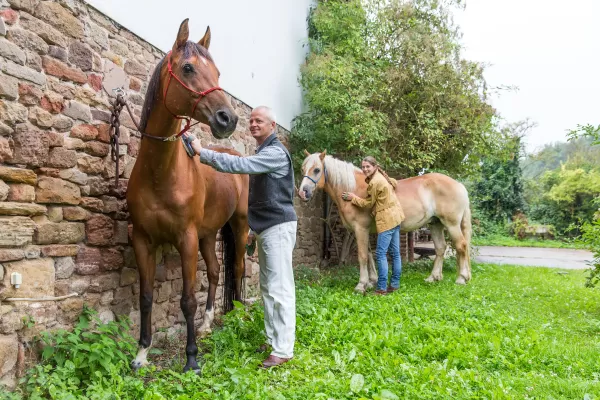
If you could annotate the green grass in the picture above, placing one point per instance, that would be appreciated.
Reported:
(512, 333)
(509, 241)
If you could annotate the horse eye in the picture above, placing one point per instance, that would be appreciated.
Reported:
(317, 170)
(187, 68)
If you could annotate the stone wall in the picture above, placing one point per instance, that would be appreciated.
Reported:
(62, 225)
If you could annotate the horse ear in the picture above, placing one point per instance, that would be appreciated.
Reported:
(306, 153)
(182, 35)
(323, 154)
(205, 41)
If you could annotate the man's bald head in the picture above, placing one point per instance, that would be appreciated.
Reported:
(262, 123)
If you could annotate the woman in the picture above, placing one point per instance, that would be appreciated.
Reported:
(388, 213)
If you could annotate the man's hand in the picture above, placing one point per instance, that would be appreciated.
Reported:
(193, 141)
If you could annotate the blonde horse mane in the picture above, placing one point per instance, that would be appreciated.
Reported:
(340, 174)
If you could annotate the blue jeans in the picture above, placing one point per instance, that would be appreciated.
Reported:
(388, 240)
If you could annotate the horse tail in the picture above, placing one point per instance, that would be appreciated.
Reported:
(465, 227)
(228, 249)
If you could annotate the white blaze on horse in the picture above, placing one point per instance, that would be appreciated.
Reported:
(434, 199)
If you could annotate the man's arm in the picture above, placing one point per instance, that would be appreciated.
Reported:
(270, 159)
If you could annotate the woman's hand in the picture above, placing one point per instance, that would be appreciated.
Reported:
(193, 141)
(348, 196)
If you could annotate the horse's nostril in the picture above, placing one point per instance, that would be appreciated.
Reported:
(223, 118)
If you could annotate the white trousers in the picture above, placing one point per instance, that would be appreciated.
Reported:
(275, 248)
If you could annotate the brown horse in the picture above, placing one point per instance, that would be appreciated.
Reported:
(175, 199)
(431, 198)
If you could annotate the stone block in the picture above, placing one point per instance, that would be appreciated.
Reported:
(46, 32)
(97, 149)
(31, 146)
(64, 267)
(89, 260)
(60, 233)
(75, 214)
(12, 113)
(129, 276)
(55, 214)
(62, 123)
(16, 208)
(12, 51)
(11, 255)
(9, 350)
(57, 68)
(80, 55)
(60, 250)
(18, 175)
(22, 72)
(84, 132)
(16, 231)
(57, 191)
(104, 282)
(60, 157)
(25, 39)
(53, 103)
(29, 95)
(4, 191)
(100, 230)
(60, 18)
(38, 278)
(112, 259)
(9, 87)
(92, 204)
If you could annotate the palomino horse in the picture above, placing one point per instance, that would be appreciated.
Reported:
(431, 198)
(175, 199)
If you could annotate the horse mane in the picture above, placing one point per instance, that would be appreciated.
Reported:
(190, 49)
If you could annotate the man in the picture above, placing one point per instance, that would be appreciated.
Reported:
(273, 220)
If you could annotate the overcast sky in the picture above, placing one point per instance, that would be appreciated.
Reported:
(549, 49)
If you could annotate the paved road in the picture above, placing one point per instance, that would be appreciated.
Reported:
(535, 257)
(532, 256)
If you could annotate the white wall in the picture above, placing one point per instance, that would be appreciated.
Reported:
(258, 45)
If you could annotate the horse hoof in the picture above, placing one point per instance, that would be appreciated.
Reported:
(369, 285)
(203, 332)
(461, 281)
(432, 279)
(136, 365)
(195, 370)
(359, 288)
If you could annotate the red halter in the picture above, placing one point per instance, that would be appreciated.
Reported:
(188, 120)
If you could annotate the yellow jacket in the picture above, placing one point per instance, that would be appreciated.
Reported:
(382, 199)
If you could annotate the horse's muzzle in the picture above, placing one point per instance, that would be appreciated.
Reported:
(223, 123)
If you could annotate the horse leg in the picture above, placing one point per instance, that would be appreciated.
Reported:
(362, 241)
(439, 242)
(239, 224)
(188, 250)
(207, 249)
(460, 243)
(372, 270)
(145, 255)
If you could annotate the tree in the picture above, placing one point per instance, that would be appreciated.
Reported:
(498, 192)
(565, 198)
(385, 78)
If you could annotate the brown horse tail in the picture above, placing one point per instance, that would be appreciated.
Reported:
(465, 227)
(228, 248)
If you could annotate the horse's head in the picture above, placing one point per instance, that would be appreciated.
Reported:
(313, 170)
(193, 85)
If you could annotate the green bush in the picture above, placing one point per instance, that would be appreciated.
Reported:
(78, 364)
(591, 238)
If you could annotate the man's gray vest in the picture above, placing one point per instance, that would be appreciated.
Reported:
(271, 199)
